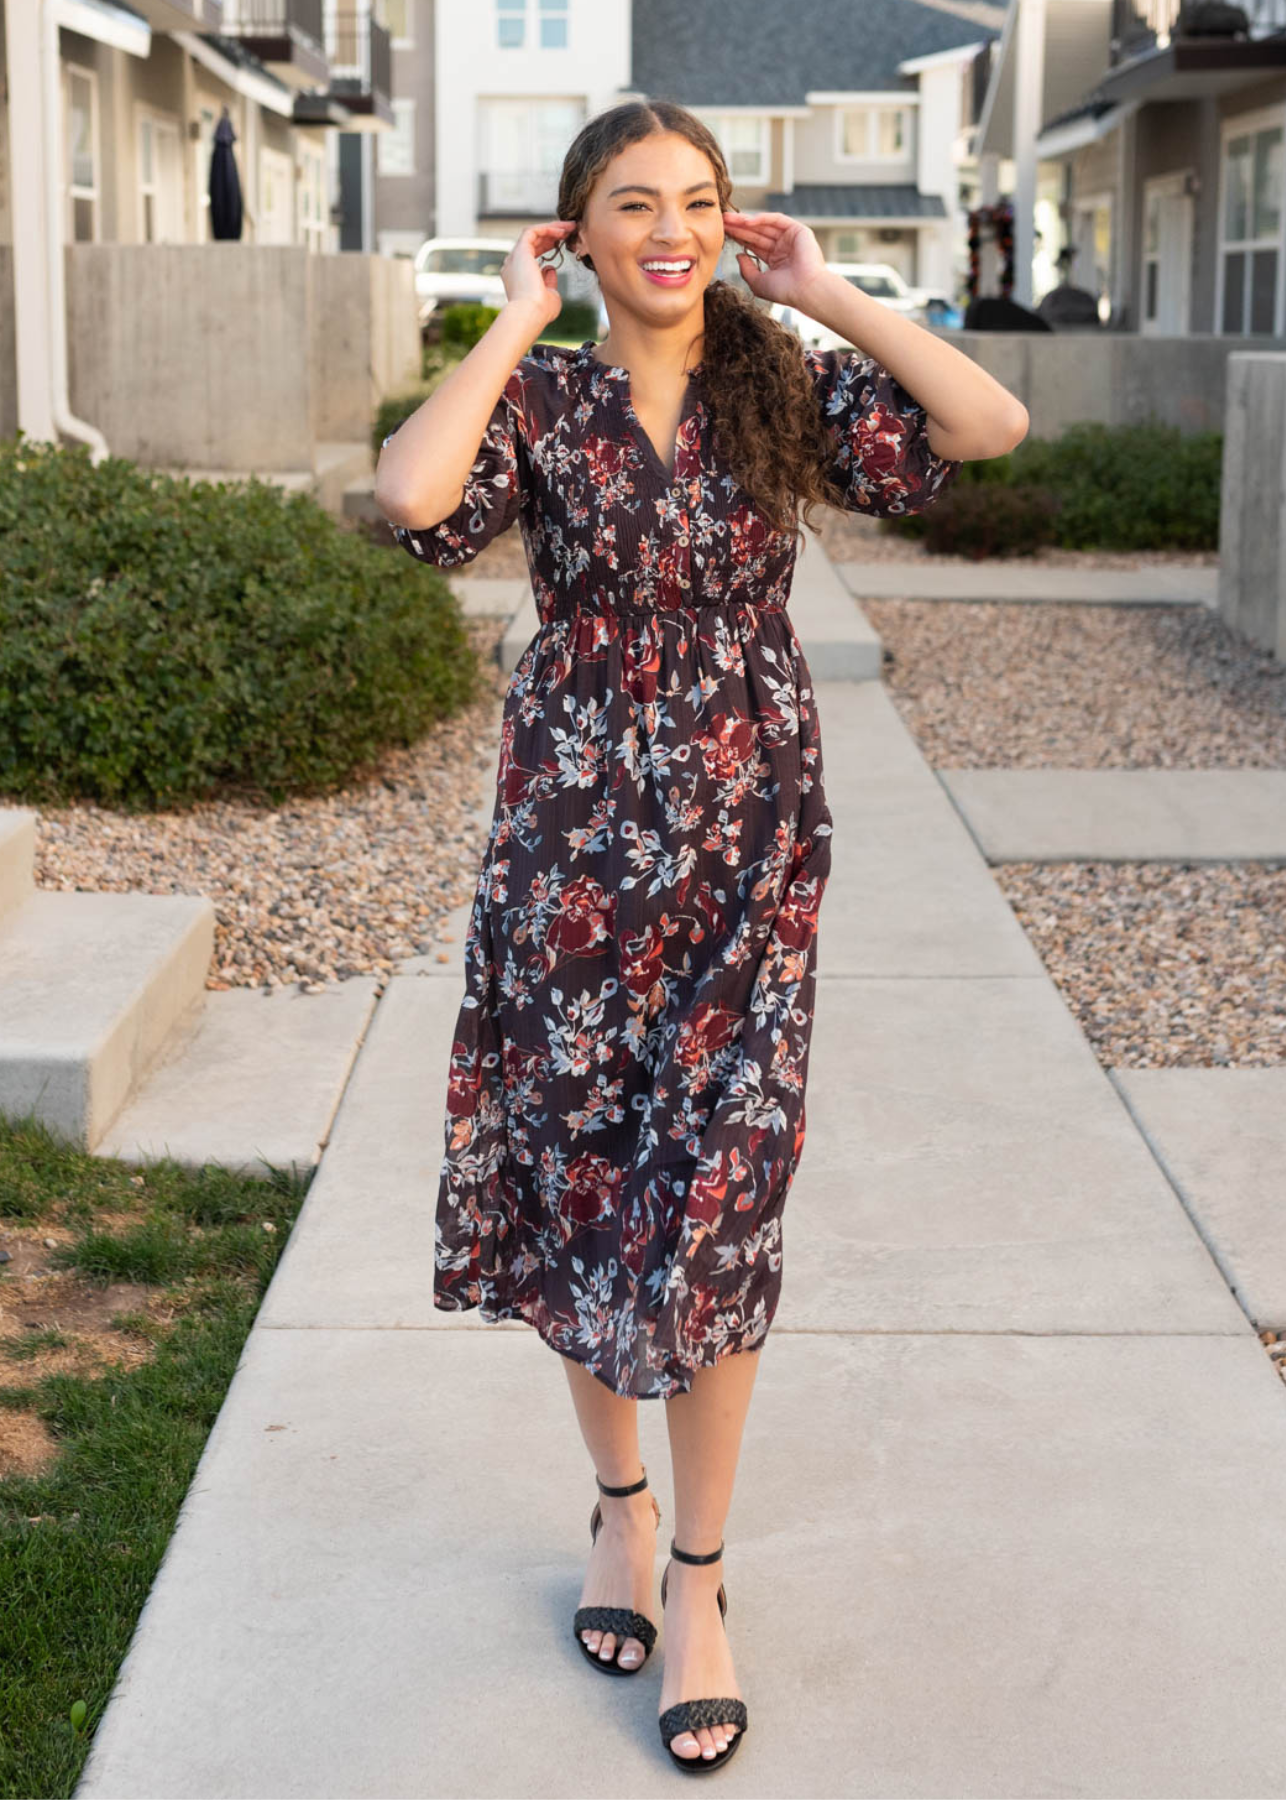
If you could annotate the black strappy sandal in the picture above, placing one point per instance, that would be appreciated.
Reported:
(691, 1715)
(622, 1620)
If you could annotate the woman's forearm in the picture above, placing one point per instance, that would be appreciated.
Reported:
(420, 473)
(970, 414)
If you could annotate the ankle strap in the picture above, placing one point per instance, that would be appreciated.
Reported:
(687, 1556)
(635, 1487)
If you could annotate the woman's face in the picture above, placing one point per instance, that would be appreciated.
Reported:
(655, 201)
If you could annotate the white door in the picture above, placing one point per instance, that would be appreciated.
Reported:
(276, 199)
(1165, 289)
(160, 169)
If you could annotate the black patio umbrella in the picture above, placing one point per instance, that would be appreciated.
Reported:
(225, 183)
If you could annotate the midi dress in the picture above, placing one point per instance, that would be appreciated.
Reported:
(625, 1095)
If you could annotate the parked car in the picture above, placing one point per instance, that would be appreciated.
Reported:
(939, 308)
(451, 270)
(880, 280)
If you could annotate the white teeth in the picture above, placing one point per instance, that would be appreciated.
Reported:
(668, 268)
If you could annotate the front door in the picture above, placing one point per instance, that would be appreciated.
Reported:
(1165, 289)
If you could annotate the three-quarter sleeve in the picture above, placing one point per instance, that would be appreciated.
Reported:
(491, 500)
(883, 462)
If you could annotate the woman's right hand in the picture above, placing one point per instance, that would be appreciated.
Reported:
(525, 281)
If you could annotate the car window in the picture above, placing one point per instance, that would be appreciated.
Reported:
(463, 259)
(878, 286)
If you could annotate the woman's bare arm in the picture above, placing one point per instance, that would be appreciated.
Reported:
(420, 473)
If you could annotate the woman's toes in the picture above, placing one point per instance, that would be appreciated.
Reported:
(632, 1653)
(607, 1649)
(592, 1638)
(686, 1744)
(706, 1739)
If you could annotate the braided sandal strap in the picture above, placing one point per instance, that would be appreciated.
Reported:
(691, 1715)
(621, 1620)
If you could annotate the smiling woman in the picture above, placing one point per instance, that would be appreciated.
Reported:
(625, 1096)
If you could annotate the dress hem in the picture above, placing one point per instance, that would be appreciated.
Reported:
(445, 1303)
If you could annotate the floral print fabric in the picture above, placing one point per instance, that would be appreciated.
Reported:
(625, 1098)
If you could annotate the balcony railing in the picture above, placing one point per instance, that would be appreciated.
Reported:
(287, 36)
(519, 191)
(1139, 25)
(359, 46)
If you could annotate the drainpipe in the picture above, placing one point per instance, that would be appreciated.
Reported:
(64, 419)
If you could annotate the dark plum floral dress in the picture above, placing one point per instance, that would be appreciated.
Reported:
(625, 1098)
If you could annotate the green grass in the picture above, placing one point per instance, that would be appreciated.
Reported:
(81, 1544)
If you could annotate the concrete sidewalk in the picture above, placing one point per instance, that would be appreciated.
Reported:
(1019, 579)
(1007, 1519)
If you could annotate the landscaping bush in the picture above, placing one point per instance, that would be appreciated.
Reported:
(1123, 487)
(164, 642)
(992, 520)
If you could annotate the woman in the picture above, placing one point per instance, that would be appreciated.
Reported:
(626, 1094)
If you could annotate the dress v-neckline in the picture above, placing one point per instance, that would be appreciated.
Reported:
(637, 429)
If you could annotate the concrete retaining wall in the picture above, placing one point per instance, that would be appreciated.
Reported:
(1252, 543)
(227, 356)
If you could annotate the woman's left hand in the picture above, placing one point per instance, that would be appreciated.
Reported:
(791, 255)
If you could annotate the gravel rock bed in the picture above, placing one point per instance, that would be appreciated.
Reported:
(316, 890)
(1164, 965)
(983, 685)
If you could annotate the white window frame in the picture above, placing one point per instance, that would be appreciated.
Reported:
(1247, 124)
(872, 152)
(276, 164)
(513, 12)
(719, 124)
(403, 131)
(553, 11)
(73, 192)
(402, 43)
(202, 151)
(310, 185)
(159, 121)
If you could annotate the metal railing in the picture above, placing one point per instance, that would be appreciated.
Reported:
(359, 45)
(279, 18)
(1138, 25)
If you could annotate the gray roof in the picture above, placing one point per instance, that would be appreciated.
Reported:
(766, 52)
(852, 200)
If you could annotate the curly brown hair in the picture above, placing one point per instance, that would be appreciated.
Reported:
(753, 380)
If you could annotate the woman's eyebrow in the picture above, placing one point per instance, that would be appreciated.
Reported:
(634, 187)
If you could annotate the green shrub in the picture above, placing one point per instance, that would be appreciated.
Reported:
(980, 520)
(578, 320)
(164, 642)
(1123, 487)
(463, 323)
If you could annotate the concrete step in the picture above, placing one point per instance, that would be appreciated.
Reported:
(336, 466)
(252, 1081)
(17, 857)
(91, 986)
(1123, 815)
(1020, 580)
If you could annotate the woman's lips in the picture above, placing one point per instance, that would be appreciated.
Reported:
(665, 279)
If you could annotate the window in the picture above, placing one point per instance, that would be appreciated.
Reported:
(160, 183)
(202, 150)
(1251, 231)
(743, 138)
(553, 24)
(397, 18)
(275, 224)
(521, 147)
(511, 23)
(311, 189)
(81, 104)
(395, 154)
(872, 134)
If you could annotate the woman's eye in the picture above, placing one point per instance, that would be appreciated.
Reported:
(632, 203)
